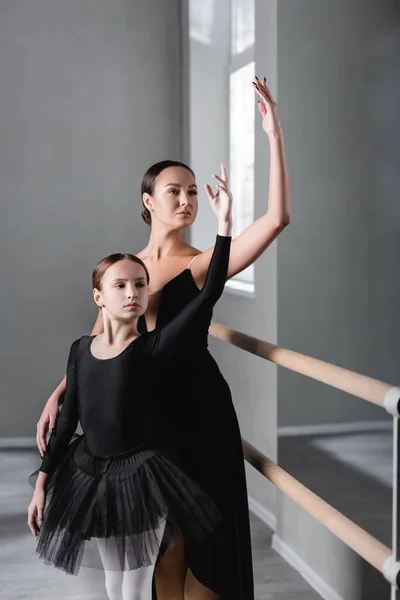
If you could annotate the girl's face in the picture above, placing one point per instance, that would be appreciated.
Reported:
(174, 200)
(124, 291)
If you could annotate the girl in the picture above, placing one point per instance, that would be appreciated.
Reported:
(206, 428)
(117, 491)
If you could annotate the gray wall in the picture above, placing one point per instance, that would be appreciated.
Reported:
(89, 98)
(338, 294)
(338, 290)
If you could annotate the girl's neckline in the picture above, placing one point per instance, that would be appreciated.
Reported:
(111, 357)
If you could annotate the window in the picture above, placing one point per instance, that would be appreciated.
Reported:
(242, 25)
(201, 20)
(241, 126)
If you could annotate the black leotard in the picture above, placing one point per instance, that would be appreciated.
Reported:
(120, 401)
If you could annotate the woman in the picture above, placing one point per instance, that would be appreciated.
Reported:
(118, 491)
(206, 429)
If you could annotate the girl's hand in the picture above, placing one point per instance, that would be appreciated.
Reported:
(221, 201)
(35, 510)
(267, 107)
(46, 422)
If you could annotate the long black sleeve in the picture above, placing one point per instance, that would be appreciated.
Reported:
(164, 341)
(67, 420)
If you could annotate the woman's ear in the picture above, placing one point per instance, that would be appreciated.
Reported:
(148, 202)
(97, 298)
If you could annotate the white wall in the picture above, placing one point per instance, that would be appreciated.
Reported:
(90, 97)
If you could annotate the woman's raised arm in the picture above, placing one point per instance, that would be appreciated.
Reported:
(252, 242)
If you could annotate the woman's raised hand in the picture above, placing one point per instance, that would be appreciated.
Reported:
(267, 107)
(221, 201)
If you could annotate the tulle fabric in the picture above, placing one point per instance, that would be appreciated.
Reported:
(123, 500)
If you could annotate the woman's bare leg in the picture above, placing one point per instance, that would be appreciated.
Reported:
(174, 581)
(170, 574)
(194, 590)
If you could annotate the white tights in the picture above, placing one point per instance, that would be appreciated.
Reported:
(135, 584)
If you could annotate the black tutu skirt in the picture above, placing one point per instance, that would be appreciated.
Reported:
(117, 512)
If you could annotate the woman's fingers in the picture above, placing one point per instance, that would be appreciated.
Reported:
(221, 185)
(218, 179)
(263, 91)
(52, 421)
(40, 515)
(209, 192)
(41, 434)
(260, 92)
(39, 439)
(224, 173)
(262, 85)
(221, 179)
(38, 444)
(271, 98)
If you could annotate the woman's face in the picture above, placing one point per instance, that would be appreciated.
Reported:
(174, 200)
(124, 291)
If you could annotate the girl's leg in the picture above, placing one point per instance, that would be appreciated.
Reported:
(113, 579)
(137, 583)
(114, 584)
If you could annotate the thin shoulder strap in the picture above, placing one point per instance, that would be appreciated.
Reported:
(190, 263)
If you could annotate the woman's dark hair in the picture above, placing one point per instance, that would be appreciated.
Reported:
(150, 177)
(111, 260)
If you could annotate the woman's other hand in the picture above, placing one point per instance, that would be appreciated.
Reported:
(47, 422)
(221, 201)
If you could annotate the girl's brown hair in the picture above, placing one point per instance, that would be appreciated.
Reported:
(150, 177)
(111, 260)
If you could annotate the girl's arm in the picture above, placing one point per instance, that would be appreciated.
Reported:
(36, 507)
(252, 242)
(48, 417)
(68, 419)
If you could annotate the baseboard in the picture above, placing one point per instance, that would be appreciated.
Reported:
(334, 428)
(311, 576)
(263, 513)
(17, 442)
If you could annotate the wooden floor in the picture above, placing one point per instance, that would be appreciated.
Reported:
(22, 575)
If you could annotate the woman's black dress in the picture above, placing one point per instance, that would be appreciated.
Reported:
(206, 433)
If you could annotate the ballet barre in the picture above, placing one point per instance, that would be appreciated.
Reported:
(366, 388)
(373, 551)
